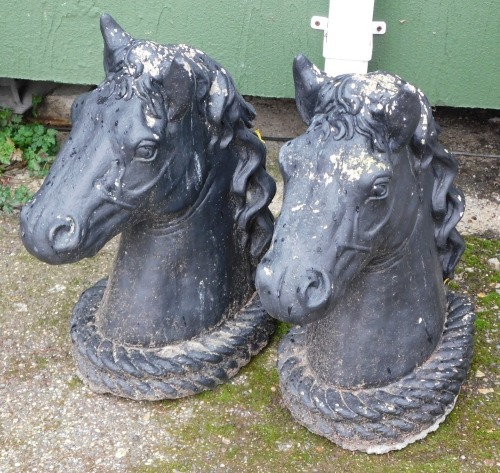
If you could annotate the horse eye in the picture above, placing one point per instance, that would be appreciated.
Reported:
(379, 190)
(146, 151)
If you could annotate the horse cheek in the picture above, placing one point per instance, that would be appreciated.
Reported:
(372, 217)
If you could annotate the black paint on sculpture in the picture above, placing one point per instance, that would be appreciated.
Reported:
(161, 152)
(365, 238)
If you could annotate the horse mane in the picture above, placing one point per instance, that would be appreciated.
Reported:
(228, 125)
(448, 202)
(356, 103)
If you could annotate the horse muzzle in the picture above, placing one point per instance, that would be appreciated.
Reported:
(294, 297)
(55, 240)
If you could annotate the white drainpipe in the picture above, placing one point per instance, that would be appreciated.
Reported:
(348, 35)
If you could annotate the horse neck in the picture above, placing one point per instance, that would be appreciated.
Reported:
(389, 321)
(170, 281)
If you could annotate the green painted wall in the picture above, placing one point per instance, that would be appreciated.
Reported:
(449, 48)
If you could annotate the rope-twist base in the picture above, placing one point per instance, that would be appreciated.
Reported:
(385, 418)
(169, 372)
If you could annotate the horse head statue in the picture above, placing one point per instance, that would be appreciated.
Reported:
(142, 147)
(365, 237)
(161, 152)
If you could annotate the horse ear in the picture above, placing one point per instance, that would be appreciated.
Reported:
(219, 94)
(308, 80)
(403, 114)
(180, 88)
(115, 41)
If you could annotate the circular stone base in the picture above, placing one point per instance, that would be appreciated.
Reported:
(169, 372)
(381, 419)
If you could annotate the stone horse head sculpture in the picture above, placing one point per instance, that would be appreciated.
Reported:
(365, 238)
(161, 152)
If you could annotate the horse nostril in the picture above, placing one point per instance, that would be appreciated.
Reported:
(315, 290)
(65, 236)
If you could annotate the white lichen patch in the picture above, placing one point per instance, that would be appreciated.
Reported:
(373, 83)
(71, 224)
(358, 163)
(151, 57)
(151, 121)
(298, 207)
(197, 167)
(319, 75)
(216, 89)
(424, 120)
(187, 68)
(188, 51)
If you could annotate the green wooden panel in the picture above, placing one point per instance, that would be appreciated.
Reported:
(449, 48)
(255, 40)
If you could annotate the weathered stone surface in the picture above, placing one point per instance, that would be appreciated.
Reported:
(161, 152)
(365, 237)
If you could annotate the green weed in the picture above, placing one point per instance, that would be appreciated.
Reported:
(29, 145)
(13, 198)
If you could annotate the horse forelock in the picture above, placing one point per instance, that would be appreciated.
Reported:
(355, 103)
